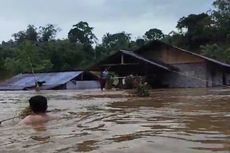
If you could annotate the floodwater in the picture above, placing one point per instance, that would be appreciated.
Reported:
(169, 121)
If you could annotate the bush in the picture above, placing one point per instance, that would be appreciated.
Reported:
(111, 81)
(143, 89)
(132, 82)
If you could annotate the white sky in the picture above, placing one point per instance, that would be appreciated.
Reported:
(131, 16)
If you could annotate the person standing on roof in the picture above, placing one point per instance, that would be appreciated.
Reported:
(103, 78)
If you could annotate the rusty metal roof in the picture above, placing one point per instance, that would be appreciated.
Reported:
(23, 81)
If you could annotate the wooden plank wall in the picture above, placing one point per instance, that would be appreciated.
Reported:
(170, 55)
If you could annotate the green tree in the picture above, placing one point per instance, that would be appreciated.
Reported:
(48, 32)
(29, 34)
(62, 54)
(20, 36)
(217, 52)
(196, 29)
(153, 34)
(221, 17)
(175, 38)
(27, 59)
(117, 41)
(82, 33)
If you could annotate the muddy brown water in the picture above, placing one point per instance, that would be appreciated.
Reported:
(169, 121)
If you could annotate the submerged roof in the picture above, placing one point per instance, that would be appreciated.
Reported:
(22, 81)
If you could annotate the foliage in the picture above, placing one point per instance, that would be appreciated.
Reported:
(132, 81)
(82, 33)
(142, 89)
(64, 55)
(29, 34)
(34, 34)
(27, 60)
(154, 34)
(109, 83)
(222, 19)
(48, 32)
(217, 52)
(116, 41)
(196, 29)
(137, 82)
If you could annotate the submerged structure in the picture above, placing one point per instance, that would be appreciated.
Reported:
(54, 80)
(164, 65)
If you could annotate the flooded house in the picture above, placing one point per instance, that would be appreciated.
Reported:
(52, 81)
(164, 65)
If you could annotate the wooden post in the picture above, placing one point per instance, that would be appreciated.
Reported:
(81, 76)
(122, 59)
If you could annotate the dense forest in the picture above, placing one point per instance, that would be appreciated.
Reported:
(37, 48)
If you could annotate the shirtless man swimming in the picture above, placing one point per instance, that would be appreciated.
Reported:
(38, 105)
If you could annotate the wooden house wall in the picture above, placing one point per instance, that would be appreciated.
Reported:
(170, 55)
(85, 84)
(85, 80)
(217, 76)
(173, 56)
(192, 70)
(227, 76)
(190, 75)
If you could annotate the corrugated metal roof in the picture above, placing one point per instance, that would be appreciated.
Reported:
(11, 88)
(144, 59)
(22, 81)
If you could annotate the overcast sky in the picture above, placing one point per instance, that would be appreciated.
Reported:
(131, 16)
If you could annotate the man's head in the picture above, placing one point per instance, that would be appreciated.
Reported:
(38, 104)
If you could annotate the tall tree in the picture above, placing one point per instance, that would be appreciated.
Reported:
(19, 36)
(197, 29)
(82, 33)
(64, 55)
(116, 41)
(222, 19)
(154, 34)
(30, 34)
(26, 59)
(48, 32)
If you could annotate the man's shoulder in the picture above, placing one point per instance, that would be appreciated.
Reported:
(30, 119)
(26, 120)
